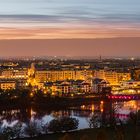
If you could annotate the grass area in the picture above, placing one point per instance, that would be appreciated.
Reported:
(91, 134)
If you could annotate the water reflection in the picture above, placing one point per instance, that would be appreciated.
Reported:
(106, 110)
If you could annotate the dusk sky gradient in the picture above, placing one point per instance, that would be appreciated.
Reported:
(67, 21)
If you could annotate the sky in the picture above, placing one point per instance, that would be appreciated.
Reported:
(53, 20)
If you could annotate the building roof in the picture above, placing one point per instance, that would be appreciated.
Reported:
(99, 81)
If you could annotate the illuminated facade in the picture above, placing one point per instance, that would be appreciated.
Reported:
(7, 74)
(98, 85)
(61, 75)
(59, 88)
(122, 77)
(41, 76)
(5, 85)
(18, 77)
(131, 84)
(85, 87)
(14, 74)
(113, 77)
(127, 87)
(21, 83)
(31, 70)
(21, 74)
(67, 87)
(40, 85)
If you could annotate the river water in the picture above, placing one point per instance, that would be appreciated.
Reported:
(83, 113)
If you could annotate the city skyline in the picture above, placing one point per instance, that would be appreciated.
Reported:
(72, 21)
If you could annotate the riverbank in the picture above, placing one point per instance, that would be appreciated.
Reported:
(92, 134)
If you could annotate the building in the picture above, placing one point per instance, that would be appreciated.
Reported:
(85, 87)
(62, 75)
(20, 74)
(68, 87)
(127, 87)
(7, 74)
(65, 88)
(131, 84)
(55, 88)
(41, 86)
(14, 74)
(21, 83)
(99, 85)
(113, 77)
(7, 85)
(123, 76)
(41, 76)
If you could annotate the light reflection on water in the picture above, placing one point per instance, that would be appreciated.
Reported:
(82, 113)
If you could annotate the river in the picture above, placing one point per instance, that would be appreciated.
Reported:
(41, 117)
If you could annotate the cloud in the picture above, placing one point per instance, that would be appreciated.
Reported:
(67, 33)
(49, 19)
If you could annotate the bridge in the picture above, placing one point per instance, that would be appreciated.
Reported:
(124, 97)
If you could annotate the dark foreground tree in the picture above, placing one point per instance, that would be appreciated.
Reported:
(69, 123)
(63, 124)
(8, 133)
(95, 121)
(12, 132)
(32, 129)
(55, 126)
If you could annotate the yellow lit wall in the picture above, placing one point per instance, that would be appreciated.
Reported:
(52, 76)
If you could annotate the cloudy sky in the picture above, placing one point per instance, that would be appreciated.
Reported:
(63, 19)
